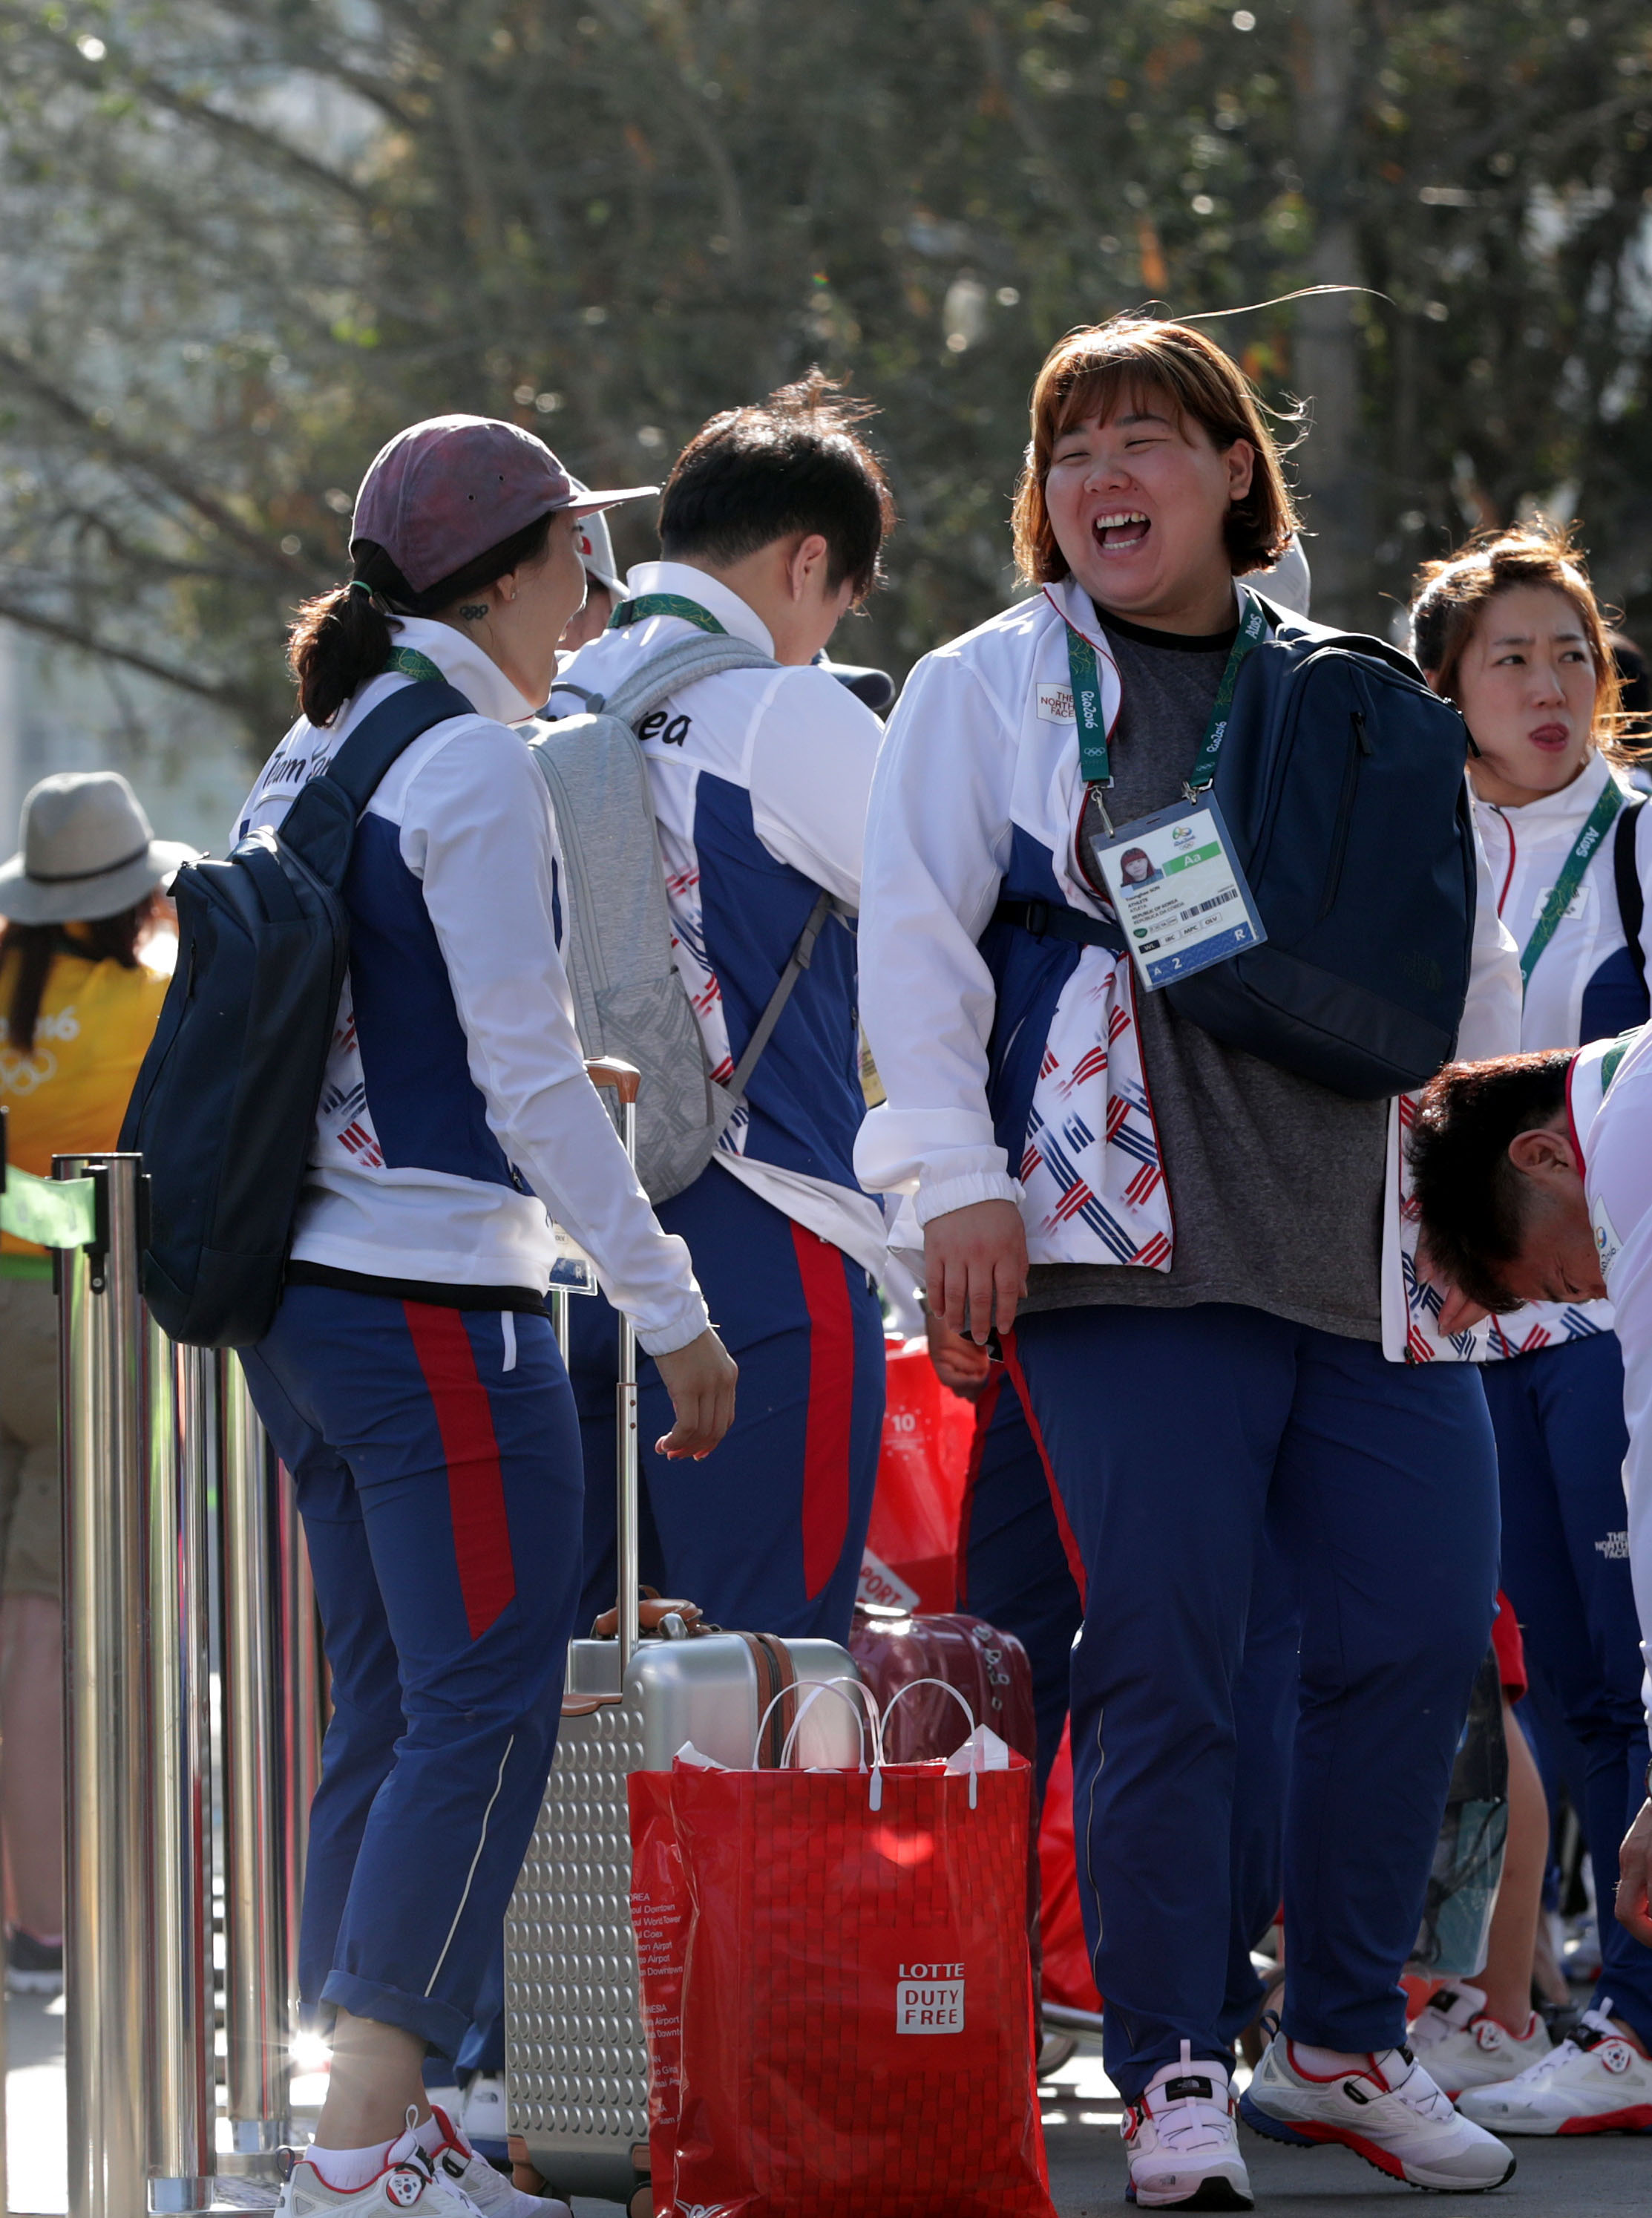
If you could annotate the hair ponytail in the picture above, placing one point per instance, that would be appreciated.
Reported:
(339, 641)
(342, 638)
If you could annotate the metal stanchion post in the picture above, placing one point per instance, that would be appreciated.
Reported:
(105, 1712)
(627, 1537)
(255, 1982)
(302, 1719)
(181, 2115)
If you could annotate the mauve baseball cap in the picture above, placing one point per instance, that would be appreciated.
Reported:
(443, 492)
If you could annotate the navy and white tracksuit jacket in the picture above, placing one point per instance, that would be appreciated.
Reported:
(411, 1381)
(1553, 1379)
(760, 780)
(1175, 1438)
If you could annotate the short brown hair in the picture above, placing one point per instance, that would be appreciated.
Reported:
(1470, 1198)
(1085, 373)
(1449, 595)
(793, 463)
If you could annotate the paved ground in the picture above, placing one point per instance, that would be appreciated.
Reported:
(1596, 2178)
(1556, 2179)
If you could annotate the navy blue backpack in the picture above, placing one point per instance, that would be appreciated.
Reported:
(1341, 780)
(224, 1103)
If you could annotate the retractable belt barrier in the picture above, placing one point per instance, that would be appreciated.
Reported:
(183, 1561)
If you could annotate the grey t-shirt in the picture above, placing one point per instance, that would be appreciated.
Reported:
(1276, 1184)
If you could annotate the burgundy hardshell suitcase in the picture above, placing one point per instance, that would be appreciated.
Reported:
(989, 1668)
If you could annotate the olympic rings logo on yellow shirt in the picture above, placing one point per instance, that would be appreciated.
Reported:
(21, 1074)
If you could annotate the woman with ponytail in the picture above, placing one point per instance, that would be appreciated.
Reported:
(411, 1381)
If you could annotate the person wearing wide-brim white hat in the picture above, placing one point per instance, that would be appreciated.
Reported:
(77, 1008)
(88, 851)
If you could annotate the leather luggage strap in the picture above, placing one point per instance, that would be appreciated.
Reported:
(771, 1660)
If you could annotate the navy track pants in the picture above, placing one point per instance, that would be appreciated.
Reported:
(436, 1456)
(1018, 1568)
(1177, 1438)
(767, 1534)
(1558, 1416)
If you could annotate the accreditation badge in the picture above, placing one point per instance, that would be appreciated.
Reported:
(1178, 888)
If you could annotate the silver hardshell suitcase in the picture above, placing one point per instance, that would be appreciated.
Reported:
(577, 2066)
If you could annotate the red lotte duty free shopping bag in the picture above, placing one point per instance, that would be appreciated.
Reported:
(837, 1996)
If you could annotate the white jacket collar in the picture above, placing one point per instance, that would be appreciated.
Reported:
(736, 617)
(1562, 812)
(464, 663)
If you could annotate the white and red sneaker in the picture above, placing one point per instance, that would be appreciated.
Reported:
(1183, 2147)
(455, 2160)
(1596, 2083)
(1390, 2112)
(406, 2183)
(1460, 2046)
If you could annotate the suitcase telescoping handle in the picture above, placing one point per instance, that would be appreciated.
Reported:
(624, 1078)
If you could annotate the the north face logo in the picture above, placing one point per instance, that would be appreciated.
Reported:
(1614, 1547)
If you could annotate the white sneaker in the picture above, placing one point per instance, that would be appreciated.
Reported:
(1460, 2046)
(408, 2182)
(1391, 2113)
(490, 2190)
(1184, 2149)
(483, 2121)
(1597, 2083)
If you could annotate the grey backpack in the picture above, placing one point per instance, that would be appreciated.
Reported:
(628, 999)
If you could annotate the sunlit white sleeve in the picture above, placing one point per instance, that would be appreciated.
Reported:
(1491, 1013)
(478, 830)
(1619, 1153)
(813, 755)
(937, 842)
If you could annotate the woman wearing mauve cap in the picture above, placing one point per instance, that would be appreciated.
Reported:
(411, 1381)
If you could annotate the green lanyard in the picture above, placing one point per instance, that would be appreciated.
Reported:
(410, 663)
(1566, 885)
(1614, 1055)
(1086, 679)
(665, 604)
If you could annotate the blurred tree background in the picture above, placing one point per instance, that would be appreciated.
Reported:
(243, 243)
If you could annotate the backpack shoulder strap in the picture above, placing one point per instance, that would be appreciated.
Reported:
(389, 731)
(311, 825)
(1292, 630)
(802, 956)
(680, 664)
(1626, 877)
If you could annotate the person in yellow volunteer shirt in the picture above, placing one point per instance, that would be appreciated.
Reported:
(77, 1004)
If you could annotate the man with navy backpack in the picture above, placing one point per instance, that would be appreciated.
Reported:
(1148, 1125)
(771, 524)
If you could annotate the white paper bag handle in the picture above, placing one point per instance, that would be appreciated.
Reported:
(809, 1697)
(901, 1693)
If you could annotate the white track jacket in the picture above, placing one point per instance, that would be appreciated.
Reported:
(1585, 985)
(1612, 1129)
(977, 795)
